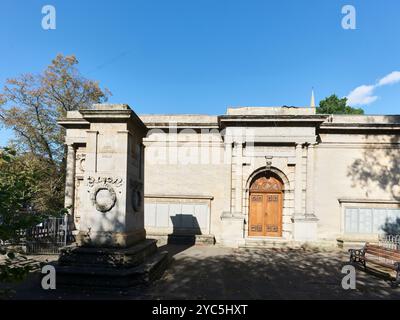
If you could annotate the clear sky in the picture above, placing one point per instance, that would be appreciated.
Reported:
(200, 56)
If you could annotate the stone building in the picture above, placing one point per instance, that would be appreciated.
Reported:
(271, 174)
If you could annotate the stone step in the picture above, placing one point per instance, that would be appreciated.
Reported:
(108, 257)
(183, 239)
(101, 277)
(269, 243)
(353, 243)
(153, 268)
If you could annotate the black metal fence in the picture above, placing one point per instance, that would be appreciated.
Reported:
(390, 241)
(47, 237)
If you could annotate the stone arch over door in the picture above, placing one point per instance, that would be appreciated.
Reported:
(274, 185)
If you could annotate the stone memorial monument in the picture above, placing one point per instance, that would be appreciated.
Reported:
(104, 194)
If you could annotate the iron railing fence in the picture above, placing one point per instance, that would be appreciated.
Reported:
(389, 241)
(48, 237)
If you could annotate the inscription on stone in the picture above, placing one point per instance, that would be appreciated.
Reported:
(116, 181)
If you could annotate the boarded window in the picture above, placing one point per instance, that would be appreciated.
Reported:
(368, 220)
(176, 216)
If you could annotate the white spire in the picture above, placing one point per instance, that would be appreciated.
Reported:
(312, 104)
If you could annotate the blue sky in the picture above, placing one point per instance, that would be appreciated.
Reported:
(200, 56)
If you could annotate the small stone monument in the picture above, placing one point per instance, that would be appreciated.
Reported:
(104, 196)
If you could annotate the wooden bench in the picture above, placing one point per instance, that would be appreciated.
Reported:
(379, 255)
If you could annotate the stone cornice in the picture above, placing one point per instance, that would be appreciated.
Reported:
(271, 120)
(348, 200)
(165, 196)
(181, 125)
(73, 122)
(112, 115)
(359, 127)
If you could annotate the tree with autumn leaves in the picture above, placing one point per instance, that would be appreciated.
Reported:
(30, 105)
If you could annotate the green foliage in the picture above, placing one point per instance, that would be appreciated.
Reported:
(10, 273)
(32, 172)
(335, 105)
(30, 105)
(17, 189)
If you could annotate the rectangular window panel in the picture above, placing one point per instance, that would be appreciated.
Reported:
(201, 214)
(351, 220)
(379, 220)
(162, 215)
(365, 221)
(150, 214)
(188, 216)
(368, 220)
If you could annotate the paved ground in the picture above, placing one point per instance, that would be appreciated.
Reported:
(201, 272)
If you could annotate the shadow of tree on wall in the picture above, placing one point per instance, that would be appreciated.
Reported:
(392, 228)
(379, 167)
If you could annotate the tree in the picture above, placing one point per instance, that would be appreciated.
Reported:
(30, 105)
(32, 174)
(17, 189)
(335, 105)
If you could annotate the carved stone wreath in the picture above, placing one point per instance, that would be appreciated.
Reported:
(104, 198)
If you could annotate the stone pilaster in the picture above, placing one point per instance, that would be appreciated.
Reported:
(298, 188)
(70, 180)
(310, 181)
(238, 177)
(228, 180)
(232, 221)
(305, 224)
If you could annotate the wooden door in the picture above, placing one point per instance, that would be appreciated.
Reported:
(273, 215)
(265, 208)
(256, 214)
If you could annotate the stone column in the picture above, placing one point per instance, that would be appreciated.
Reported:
(70, 179)
(304, 224)
(310, 181)
(232, 221)
(228, 180)
(238, 177)
(298, 183)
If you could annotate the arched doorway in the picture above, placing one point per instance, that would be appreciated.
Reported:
(265, 206)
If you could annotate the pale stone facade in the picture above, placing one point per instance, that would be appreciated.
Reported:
(339, 173)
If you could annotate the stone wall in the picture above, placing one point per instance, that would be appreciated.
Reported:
(198, 169)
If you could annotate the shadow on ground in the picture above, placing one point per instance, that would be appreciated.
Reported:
(220, 273)
(204, 272)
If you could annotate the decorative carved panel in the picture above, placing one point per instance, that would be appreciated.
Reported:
(80, 162)
(256, 228)
(256, 198)
(103, 195)
(265, 184)
(272, 228)
(273, 198)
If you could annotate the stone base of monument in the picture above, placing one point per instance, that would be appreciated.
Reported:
(111, 267)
